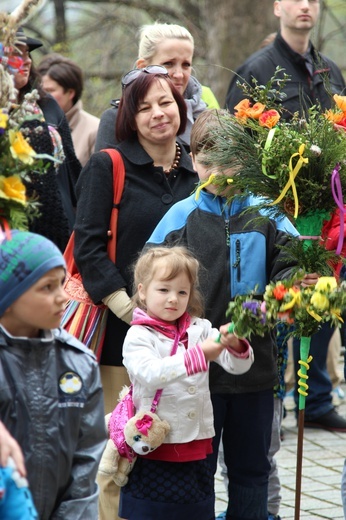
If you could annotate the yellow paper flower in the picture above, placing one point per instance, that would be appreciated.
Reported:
(20, 148)
(320, 301)
(326, 283)
(13, 188)
(3, 120)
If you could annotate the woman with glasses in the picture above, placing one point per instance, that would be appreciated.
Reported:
(172, 46)
(158, 173)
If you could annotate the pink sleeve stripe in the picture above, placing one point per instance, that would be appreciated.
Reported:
(194, 360)
(241, 354)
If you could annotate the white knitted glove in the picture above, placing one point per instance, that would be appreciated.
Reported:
(120, 304)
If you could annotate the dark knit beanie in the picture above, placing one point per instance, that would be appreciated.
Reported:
(24, 258)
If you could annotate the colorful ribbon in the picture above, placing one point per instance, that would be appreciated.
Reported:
(210, 180)
(292, 175)
(143, 425)
(204, 185)
(337, 195)
(302, 385)
(267, 145)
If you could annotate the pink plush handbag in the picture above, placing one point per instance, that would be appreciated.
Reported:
(123, 411)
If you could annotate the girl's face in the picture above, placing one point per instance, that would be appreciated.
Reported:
(166, 299)
(21, 78)
(62, 96)
(158, 117)
(40, 307)
(176, 55)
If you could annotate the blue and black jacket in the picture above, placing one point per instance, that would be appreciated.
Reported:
(238, 253)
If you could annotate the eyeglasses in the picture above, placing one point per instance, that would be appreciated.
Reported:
(135, 73)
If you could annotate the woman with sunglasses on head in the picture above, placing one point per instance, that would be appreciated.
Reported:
(158, 173)
(172, 46)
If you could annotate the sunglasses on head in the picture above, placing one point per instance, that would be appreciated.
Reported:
(135, 73)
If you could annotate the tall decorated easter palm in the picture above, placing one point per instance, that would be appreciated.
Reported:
(297, 167)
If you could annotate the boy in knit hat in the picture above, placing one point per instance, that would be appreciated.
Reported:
(51, 397)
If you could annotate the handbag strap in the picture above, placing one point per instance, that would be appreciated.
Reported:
(118, 187)
(158, 393)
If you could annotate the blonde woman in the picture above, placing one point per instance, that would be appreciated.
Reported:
(172, 46)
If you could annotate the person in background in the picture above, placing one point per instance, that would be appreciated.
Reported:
(172, 46)
(63, 79)
(169, 346)
(214, 231)
(48, 132)
(158, 173)
(314, 78)
(51, 395)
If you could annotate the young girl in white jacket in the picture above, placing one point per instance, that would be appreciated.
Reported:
(169, 347)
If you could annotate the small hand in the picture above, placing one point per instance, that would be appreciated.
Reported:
(9, 447)
(211, 349)
(309, 279)
(229, 339)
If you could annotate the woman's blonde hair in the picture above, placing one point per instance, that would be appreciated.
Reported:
(150, 36)
(177, 260)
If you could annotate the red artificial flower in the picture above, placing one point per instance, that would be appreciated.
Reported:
(279, 291)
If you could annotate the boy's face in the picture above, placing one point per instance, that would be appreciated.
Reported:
(40, 307)
(204, 173)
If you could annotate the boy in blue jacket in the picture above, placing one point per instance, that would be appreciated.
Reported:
(239, 254)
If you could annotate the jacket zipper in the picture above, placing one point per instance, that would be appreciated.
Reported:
(236, 264)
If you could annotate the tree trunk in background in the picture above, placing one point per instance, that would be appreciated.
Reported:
(60, 24)
(233, 29)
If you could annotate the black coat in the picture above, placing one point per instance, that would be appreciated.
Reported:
(303, 90)
(148, 194)
(55, 189)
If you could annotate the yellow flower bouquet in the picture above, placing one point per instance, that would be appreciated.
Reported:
(286, 301)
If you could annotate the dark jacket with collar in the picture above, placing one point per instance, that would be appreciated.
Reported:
(302, 90)
(57, 419)
(148, 194)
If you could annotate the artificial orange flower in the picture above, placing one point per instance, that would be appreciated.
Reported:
(255, 111)
(279, 291)
(269, 118)
(14, 188)
(340, 102)
(334, 117)
(241, 109)
(285, 317)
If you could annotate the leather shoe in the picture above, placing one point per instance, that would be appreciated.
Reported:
(330, 421)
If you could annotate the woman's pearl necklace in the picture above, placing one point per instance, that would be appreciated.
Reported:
(176, 161)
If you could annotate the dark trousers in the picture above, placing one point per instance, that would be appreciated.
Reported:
(245, 421)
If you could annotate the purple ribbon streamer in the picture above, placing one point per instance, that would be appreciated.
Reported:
(339, 201)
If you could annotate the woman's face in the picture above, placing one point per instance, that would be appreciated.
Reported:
(176, 55)
(62, 96)
(21, 78)
(158, 117)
